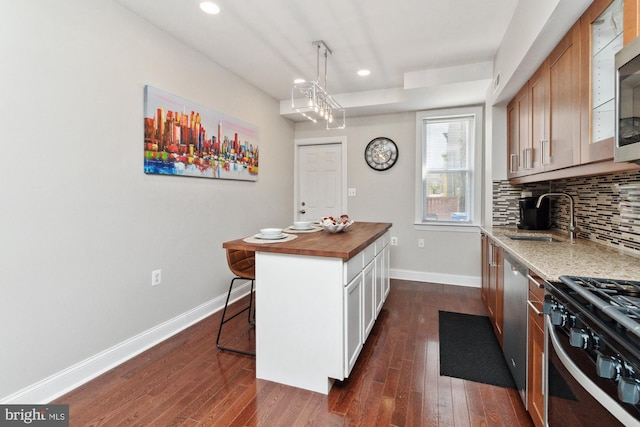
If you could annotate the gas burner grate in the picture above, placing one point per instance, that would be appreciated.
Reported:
(608, 287)
(618, 300)
(625, 292)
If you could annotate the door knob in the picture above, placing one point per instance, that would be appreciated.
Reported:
(302, 211)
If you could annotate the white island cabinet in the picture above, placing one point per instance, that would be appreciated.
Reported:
(317, 298)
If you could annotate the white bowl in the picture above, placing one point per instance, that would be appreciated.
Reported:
(302, 225)
(335, 228)
(271, 231)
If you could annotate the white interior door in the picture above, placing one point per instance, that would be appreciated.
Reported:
(319, 181)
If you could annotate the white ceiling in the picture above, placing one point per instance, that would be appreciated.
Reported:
(414, 48)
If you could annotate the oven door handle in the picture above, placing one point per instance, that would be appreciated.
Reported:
(607, 401)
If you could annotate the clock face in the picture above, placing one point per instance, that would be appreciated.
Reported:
(381, 153)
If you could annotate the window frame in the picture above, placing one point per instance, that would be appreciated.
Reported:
(475, 168)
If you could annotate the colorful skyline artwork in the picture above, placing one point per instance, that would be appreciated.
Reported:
(186, 139)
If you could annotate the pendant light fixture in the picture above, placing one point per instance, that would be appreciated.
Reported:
(311, 99)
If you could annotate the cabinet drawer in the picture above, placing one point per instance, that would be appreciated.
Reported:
(383, 241)
(535, 310)
(536, 287)
(369, 253)
(353, 267)
(379, 244)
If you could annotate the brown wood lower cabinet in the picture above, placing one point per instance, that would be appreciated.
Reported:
(492, 292)
(535, 383)
(493, 284)
(484, 290)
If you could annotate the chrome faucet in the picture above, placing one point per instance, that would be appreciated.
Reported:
(573, 230)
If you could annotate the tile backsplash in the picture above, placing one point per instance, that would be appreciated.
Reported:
(607, 207)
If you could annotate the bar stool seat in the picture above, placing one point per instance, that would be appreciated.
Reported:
(243, 264)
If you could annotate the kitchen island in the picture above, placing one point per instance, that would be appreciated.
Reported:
(317, 298)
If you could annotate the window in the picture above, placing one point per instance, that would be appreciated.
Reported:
(448, 179)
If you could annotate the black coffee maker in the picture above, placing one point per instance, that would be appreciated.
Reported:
(532, 218)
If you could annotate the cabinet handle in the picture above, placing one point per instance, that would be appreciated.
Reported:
(528, 158)
(513, 163)
(535, 310)
(491, 262)
(543, 150)
(538, 284)
(544, 374)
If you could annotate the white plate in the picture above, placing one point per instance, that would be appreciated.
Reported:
(270, 237)
(301, 228)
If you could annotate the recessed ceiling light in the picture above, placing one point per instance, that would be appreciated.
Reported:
(299, 81)
(363, 73)
(210, 8)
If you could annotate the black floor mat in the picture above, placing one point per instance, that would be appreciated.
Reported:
(470, 350)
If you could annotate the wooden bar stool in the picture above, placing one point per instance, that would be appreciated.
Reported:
(243, 264)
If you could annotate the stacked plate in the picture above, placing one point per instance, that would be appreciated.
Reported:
(271, 234)
(302, 225)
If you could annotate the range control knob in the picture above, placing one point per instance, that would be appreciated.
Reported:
(608, 367)
(629, 391)
(558, 316)
(547, 306)
(578, 337)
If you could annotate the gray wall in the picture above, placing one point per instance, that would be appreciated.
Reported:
(81, 225)
(388, 196)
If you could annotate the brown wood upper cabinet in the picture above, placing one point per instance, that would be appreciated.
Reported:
(563, 147)
(539, 94)
(563, 118)
(519, 139)
(544, 117)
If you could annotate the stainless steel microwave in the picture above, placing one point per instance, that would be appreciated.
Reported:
(627, 134)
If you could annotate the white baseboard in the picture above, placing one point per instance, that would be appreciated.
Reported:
(445, 279)
(62, 382)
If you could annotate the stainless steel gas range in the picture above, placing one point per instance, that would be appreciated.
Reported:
(593, 352)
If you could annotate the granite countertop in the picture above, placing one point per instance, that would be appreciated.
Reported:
(550, 260)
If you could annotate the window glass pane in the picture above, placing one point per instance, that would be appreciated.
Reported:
(447, 141)
(447, 196)
(446, 181)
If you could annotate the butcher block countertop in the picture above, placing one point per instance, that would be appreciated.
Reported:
(342, 245)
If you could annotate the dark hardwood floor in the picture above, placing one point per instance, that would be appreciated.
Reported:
(185, 380)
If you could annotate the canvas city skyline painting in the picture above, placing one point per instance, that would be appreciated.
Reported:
(186, 139)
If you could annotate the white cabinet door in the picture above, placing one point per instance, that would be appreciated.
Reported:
(369, 303)
(380, 274)
(386, 284)
(353, 338)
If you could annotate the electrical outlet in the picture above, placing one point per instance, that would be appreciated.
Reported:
(351, 192)
(394, 241)
(421, 243)
(156, 277)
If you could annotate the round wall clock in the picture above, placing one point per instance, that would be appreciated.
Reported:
(381, 153)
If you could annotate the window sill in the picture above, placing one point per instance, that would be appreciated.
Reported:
(449, 227)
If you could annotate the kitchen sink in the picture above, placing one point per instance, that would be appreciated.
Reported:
(535, 238)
